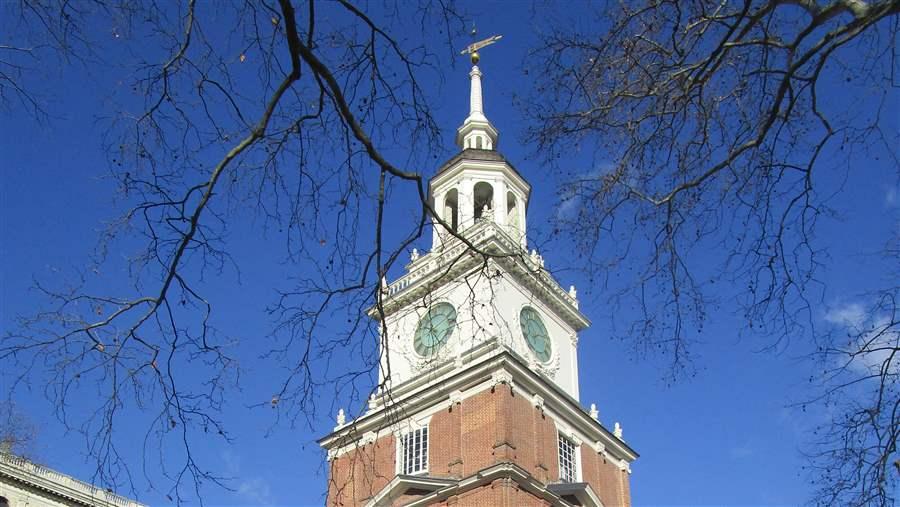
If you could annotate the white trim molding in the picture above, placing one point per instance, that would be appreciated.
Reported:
(483, 367)
(25, 475)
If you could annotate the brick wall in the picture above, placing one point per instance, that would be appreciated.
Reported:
(610, 483)
(494, 426)
(356, 476)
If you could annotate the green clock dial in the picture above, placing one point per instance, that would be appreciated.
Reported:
(535, 333)
(434, 329)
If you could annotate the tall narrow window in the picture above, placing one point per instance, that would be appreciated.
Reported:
(567, 465)
(414, 452)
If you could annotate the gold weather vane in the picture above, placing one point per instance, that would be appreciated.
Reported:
(474, 47)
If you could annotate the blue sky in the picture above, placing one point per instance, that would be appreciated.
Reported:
(728, 436)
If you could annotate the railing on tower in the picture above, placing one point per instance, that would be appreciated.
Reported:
(453, 248)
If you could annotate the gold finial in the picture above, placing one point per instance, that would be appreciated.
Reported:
(472, 49)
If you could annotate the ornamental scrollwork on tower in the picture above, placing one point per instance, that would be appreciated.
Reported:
(501, 377)
(548, 369)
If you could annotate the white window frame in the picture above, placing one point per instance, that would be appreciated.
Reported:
(573, 470)
(408, 462)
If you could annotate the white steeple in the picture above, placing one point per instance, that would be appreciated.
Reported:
(478, 185)
(477, 131)
(476, 105)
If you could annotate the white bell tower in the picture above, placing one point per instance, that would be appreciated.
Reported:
(478, 374)
(499, 297)
(478, 184)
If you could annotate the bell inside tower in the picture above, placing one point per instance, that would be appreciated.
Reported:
(483, 200)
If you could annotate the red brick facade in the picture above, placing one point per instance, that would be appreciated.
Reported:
(491, 427)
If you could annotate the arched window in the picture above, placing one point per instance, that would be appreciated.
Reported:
(483, 198)
(451, 209)
(4, 502)
(478, 142)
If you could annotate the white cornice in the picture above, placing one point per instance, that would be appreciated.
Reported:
(464, 164)
(438, 268)
(475, 373)
(60, 485)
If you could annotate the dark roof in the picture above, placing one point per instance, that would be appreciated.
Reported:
(476, 154)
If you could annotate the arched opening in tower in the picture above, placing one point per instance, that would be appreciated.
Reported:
(483, 199)
(451, 209)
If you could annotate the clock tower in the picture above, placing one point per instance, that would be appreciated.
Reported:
(481, 405)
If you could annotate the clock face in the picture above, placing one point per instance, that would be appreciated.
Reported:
(434, 329)
(535, 333)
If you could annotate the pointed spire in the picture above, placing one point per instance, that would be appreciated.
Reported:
(477, 131)
(476, 105)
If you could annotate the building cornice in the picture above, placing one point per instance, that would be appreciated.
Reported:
(58, 484)
(458, 165)
(477, 370)
(505, 470)
(441, 267)
(473, 154)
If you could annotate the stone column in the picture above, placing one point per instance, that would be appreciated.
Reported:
(466, 200)
(437, 230)
(522, 224)
(500, 202)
